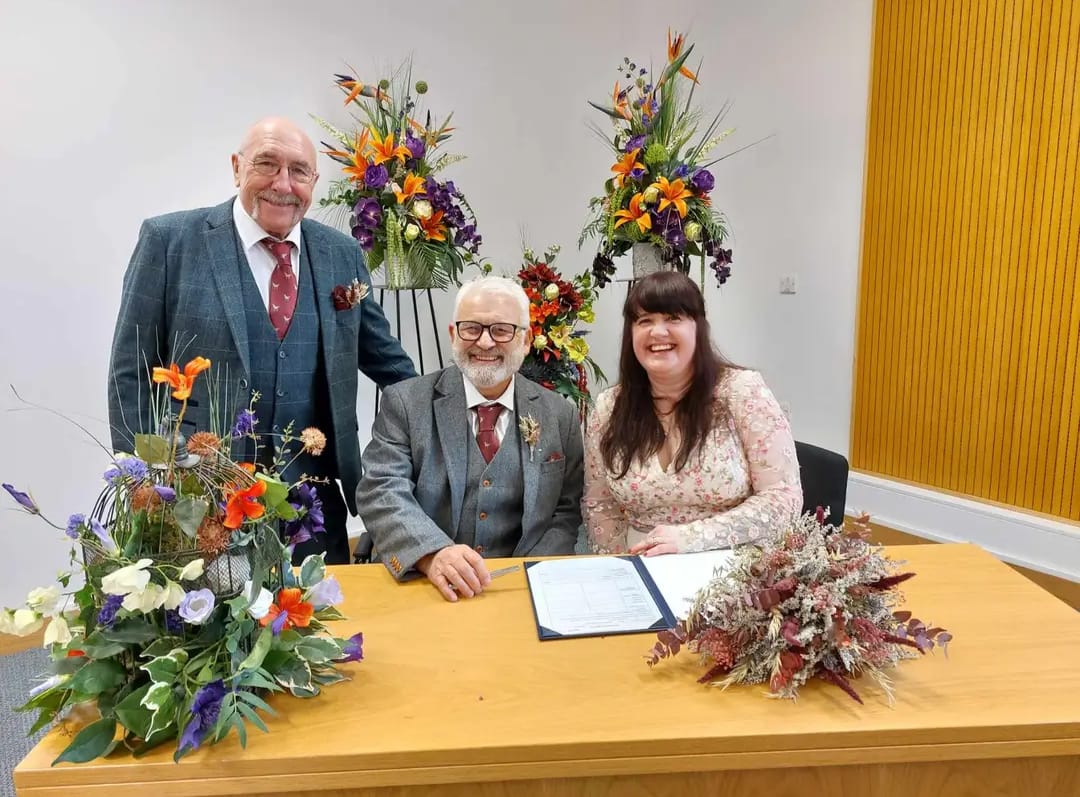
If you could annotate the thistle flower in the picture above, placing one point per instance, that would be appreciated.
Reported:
(205, 444)
(313, 440)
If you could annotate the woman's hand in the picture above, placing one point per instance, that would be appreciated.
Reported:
(661, 540)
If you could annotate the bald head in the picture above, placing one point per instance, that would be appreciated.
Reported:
(275, 174)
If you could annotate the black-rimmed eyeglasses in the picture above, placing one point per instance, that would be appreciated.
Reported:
(499, 332)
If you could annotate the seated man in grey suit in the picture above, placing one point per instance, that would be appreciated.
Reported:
(449, 475)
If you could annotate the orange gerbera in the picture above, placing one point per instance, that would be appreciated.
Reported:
(434, 229)
(414, 186)
(635, 212)
(674, 50)
(625, 166)
(181, 383)
(672, 193)
(384, 150)
(244, 504)
(288, 611)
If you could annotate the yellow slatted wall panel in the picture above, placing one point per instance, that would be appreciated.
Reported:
(968, 343)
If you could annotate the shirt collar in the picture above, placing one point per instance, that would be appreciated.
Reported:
(474, 398)
(251, 234)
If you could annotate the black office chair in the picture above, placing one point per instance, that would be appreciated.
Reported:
(824, 480)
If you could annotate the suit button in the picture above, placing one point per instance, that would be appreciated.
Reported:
(243, 384)
(281, 394)
(276, 428)
(281, 354)
(480, 549)
(486, 482)
(483, 515)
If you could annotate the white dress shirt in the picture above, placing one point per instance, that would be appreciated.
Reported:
(474, 398)
(260, 260)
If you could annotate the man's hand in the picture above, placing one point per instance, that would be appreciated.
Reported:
(661, 540)
(456, 571)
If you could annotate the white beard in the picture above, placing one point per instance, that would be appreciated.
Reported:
(489, 375)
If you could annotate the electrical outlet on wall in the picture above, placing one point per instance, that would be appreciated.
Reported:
(789, 283)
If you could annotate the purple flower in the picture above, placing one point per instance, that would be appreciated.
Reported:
(637, 173)
(416, 146)
(368, 213)
(166, 494)
(603, 268)
(173, 623)
(106, 616)
(702, 181)
(376, 176)
(197, 606)
(279, 623)
(465, 235)
(681, 171)
(326, 593)
(364, 237)
(23, 500)
(130, 467)
(204, 714)
(102, 535)
(245, 423)
(73, 525)
(353, 649)
(305, 500)
(637, 142)
(720, 265)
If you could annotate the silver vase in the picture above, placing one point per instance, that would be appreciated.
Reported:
(647, 260)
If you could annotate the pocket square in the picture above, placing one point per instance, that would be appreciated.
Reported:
(554, 457)
(347, 297)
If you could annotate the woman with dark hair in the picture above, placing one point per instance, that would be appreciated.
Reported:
(689, 452)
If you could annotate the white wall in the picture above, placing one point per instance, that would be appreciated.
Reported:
(114, 111)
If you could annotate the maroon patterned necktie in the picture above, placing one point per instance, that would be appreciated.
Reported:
(485, 433)
(283, 286)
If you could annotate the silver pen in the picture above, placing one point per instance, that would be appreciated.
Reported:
(502, 571)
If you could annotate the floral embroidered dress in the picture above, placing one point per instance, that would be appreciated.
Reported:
(743, 481)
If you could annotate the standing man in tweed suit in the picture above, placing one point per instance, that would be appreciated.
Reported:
(472, 461)
(250, 285)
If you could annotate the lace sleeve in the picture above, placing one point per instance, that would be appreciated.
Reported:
(765, 434)
(604, 518)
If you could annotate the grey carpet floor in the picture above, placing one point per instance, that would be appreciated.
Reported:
(18, 673)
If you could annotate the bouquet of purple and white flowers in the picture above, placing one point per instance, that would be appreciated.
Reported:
(189, 607)
(401, 214)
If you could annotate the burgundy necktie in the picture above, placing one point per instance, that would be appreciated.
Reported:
(282, 286)
(485, 433)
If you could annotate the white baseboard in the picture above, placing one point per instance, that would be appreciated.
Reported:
(1031, 541)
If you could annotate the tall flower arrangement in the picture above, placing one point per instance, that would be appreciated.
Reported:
(811, 602)
(660, 189)
(189, 610)
(559, 356)
(400, 212)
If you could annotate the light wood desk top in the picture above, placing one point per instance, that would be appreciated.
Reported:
(453, 693)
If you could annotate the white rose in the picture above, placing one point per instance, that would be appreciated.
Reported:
(422, 209)
(174, 593)
(58, 632)
(412, 232)
(7, 622)
(261, 605)
(124, 580)
(25, 621)
(192, 570)
(145, 600)
(43, 600)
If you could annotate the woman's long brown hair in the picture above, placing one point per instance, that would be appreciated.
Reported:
(634, 432)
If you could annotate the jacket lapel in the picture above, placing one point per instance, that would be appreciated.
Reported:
(452, 422)
(321, 265)
(221, 246)
(526, 401)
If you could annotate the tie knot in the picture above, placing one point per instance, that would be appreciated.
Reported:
(281, 250)
(488, 414)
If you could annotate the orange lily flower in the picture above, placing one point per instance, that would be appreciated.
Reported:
(674, 49)
(620, 103)
(385, 150)
(672, 193)
(244, 504)
(297, 613)
(414, 186)
(181, 383)
(434, 229)
(635, 212)
(625, 165)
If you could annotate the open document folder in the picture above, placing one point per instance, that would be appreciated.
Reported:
(596, 596)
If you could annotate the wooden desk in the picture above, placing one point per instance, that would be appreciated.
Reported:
(461, 699)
